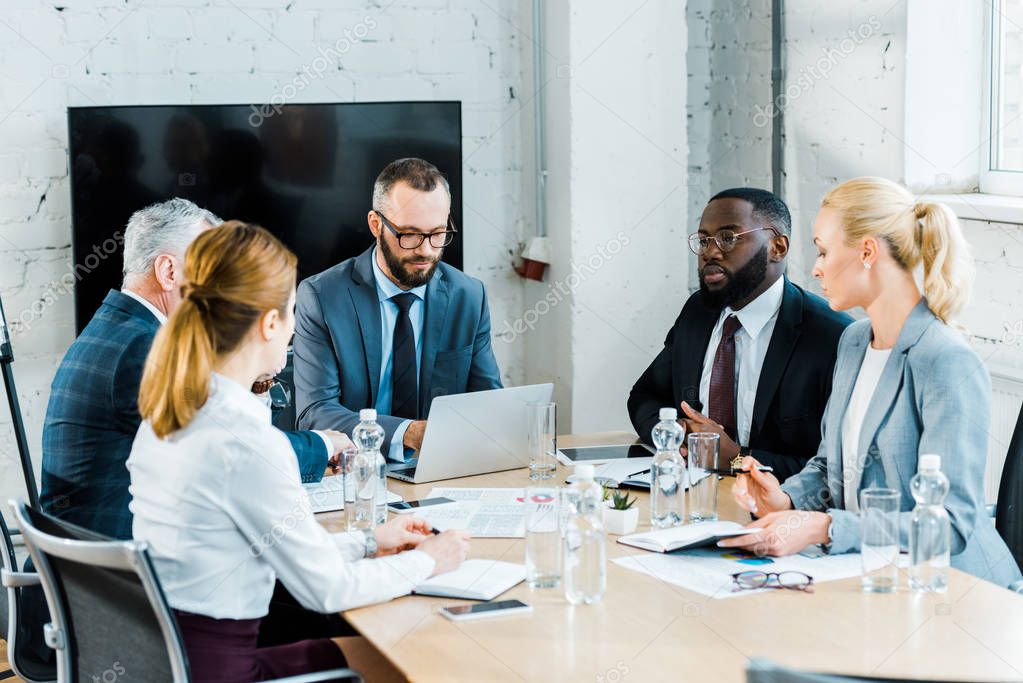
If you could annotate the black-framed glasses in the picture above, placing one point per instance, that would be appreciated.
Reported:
(725, 239)
(412, 240)
(751, 580)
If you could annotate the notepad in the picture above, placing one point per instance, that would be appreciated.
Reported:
(684, 537)
(474, 580)
(635, 473)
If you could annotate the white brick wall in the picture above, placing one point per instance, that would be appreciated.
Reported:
(102, 52)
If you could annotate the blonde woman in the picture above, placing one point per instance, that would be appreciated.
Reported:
(906, 383)
(216, 489)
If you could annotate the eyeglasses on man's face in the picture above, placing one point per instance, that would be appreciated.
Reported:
(725, 239)
(412, 240)
(751, 580)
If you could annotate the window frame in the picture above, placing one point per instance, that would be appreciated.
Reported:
(993, 181)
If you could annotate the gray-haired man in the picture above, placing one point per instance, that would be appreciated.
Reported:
(92, 416)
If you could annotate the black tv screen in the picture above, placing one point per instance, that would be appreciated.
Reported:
(304, 171)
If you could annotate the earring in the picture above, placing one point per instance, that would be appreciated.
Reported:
(866, 265)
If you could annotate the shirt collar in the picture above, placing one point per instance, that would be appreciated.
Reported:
(223, 389)
(161, 318)
(758, 312)
(387, 289)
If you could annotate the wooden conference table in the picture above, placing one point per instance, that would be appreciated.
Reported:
(648, 630)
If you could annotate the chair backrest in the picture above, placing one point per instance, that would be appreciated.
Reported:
(1009, 509)
(111, 620)
(8, 563)
(22, 610)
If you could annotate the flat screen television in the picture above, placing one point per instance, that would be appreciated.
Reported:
(303, 171)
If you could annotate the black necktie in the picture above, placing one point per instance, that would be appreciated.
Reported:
(404, 382)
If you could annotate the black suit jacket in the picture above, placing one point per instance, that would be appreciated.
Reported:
(794, 385)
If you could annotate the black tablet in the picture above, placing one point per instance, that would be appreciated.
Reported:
(595, 455)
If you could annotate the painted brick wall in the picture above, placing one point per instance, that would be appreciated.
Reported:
(106, 52)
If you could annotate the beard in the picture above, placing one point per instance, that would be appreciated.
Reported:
(739, 284)
(407, 277)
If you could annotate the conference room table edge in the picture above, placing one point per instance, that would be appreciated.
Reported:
(646, 629)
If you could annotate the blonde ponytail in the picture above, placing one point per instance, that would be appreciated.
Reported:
(915, 232)
(948, 267)
(235, 273)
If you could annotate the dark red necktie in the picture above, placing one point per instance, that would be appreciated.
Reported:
(722, 379)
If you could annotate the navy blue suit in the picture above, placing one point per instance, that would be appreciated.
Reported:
(338, 344)
(93, 416)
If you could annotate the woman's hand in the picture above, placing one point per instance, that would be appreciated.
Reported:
(759, 492)
(783, 533)
(448, 550)
(401, 533)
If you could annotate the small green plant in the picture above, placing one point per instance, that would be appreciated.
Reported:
(621, 500)
(607, 492)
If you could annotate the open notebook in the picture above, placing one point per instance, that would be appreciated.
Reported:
(326, 495)
(474, 580)
(684, 537)
(634, 473)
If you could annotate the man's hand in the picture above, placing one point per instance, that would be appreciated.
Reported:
(414, 435)
(401, 533)
(698, 422)
(783, 533)
(339, 444)
(448, 550)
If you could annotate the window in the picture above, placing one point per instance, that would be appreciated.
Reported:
(1002, 161)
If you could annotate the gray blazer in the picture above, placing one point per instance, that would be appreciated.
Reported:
(338, 346)
(934, 396)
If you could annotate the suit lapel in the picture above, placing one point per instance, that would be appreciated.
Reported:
(433, 329)
(847, 367)
(891, 381)
(783, 341)
(691, 338)
(367, 309)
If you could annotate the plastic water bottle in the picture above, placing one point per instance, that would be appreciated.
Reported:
(584, 573)
(369, 437)
(667, 472)
(930, 531)
(361, 478)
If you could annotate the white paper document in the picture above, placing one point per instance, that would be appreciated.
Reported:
(486, 513)
(619, 471)
(327, 495)
(709, 570)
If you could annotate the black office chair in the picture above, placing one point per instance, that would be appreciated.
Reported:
(109, 612)
(1008, 511)
(760, 670)
(25, 662)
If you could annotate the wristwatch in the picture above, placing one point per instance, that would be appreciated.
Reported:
(371, 543)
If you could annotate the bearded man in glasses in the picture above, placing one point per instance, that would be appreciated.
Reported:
(751, 355)
(395, 326)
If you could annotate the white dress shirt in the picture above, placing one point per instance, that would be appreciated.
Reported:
(751, 341)
(863, 391)
(221, 505)
(386, 291)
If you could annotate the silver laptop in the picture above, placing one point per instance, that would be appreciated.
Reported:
(474, 433)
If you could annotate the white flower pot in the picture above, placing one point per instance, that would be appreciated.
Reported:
(621, 522)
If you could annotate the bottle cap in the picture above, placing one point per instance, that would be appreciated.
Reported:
(668, 414)
(584, 472)
(930, 462)
(368, 414)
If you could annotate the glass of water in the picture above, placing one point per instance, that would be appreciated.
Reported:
(704, 453)
(879, 539)
(359, 487)
(541, 430)
(543, 536)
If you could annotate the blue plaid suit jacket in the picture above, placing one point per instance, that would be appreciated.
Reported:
(93, 416)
